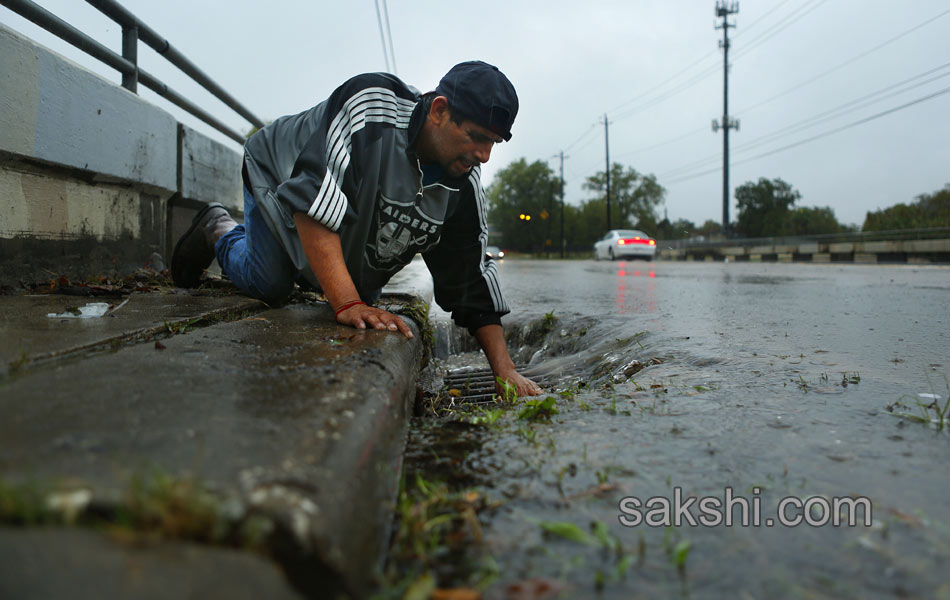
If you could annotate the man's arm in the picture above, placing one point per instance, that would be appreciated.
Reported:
(492, 340)
(325, 255)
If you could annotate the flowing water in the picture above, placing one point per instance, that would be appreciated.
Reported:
(752, 386)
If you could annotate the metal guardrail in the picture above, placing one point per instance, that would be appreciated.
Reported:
(830, 238)
(134, 29)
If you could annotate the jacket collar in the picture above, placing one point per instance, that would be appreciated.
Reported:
(416, 121)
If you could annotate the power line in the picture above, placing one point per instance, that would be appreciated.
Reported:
(664, 143)
(715, 67)
(763, 17)
(589, 141)
(707, 72)
(684, 85)
(389, 34)
(702, 75)
(693, 176)
(789, 20)
(633, 111)
(664, 82)
(874, 117)
(857, 57)
(848, 107)
(587, 132)
(802, 84)
(387, 52)
(862, 101)
(822, 135)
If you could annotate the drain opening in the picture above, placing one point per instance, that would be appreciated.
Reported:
(468, 385)
(556, 353)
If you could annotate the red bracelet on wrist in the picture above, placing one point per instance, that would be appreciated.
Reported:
(347, 306)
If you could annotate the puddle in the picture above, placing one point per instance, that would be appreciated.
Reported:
(92, 310)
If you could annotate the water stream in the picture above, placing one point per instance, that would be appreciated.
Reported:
(771, 385)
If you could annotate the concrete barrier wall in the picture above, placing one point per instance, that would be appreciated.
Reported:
(93, 179)
(209, 171)
(891, 251)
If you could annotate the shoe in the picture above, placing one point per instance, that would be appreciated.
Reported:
(194, 252)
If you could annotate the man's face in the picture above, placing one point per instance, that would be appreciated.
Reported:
(458, 147)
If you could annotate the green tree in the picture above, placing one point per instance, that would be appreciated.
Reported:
(930, 210)
(591, 219)
(812, 221)
(679, 229)
(634, 198)
(935, 208)
(575, 226)
(710, 228)
(764, 207)
(529, 190)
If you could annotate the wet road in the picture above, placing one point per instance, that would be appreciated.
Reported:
(769, 382)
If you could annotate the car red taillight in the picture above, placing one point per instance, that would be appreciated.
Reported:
(636, 240)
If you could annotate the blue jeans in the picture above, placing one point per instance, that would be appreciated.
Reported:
(254, 260)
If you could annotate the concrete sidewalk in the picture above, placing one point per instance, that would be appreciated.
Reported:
(184, 443)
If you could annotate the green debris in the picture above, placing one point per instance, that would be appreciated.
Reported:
(418, 310)
(486, 416)
(176, 508)
(24, 504)
(509, 393)
(681, 553)
(568, 531)
(537, 410)
(155, 504)
(421, 588)
(932, 408)
(433, 523)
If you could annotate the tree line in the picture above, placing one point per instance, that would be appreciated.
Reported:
(929, 210)
(525, 209)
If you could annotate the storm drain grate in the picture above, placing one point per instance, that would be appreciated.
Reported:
(476, 386)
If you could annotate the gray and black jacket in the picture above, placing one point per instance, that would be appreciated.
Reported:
(349, 163)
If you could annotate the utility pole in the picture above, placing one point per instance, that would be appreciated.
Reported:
(547, 234)
(723, 11)
(563, 241)
(607, 155)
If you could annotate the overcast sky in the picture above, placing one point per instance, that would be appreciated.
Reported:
(800, 69)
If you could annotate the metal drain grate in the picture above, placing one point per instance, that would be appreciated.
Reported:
(477, 386)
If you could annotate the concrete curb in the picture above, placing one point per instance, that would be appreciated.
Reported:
(285, 418)
(32, 338)
(60, 564)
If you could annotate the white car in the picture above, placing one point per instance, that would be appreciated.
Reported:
(494, 253)
(625, 243)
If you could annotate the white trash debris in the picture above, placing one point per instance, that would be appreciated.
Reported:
(69, 504)
(929, 396)
(89, 311)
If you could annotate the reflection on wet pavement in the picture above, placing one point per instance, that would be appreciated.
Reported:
(702, 379)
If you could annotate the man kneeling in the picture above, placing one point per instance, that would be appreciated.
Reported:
(343, 195)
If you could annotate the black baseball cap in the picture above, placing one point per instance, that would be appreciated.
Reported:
(481, 93)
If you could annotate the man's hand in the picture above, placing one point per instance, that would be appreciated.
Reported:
(492, 340)
(325, 255)
(521, 385)
(362, 316)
